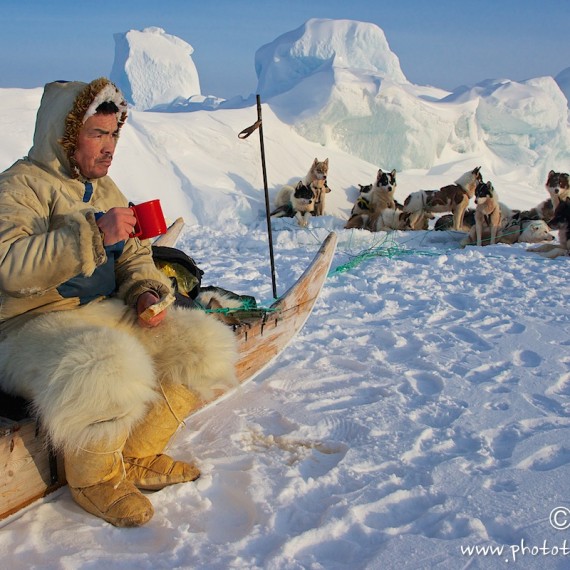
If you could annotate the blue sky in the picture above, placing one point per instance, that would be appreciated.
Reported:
(444, 43)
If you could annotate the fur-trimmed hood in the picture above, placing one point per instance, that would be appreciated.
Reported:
(64, 108)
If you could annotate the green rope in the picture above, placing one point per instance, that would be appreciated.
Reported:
(248, 305)
(390, 251)
(389, 248)
(227, 310)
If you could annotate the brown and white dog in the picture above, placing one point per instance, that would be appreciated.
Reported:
(489, 215)
(543, 211)
(295, 202)
(453, 198)
(558, 186)
(388, 219)
(561, 219)
(316, 178)
(391, 219)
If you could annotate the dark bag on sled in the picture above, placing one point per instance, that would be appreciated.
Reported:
(182, 270)
(186, 278)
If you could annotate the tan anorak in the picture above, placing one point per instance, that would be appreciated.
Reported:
(48, 235)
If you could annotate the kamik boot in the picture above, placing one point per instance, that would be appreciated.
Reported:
(146, 466)
(96, 478)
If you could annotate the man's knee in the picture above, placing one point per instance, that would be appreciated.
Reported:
(194, 349)
(84, 381)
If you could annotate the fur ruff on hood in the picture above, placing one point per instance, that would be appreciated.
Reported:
(64, 108)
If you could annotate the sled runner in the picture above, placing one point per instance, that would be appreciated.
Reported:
(29, 471)
(265, 333)
(172, 234)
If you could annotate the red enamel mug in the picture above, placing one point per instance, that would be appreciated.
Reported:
(150, 219)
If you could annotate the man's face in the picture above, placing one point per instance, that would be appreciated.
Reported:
(96, 144)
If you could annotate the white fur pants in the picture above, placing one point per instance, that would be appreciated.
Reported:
(92, 372)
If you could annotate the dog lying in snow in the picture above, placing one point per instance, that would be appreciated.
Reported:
(388, 219)
(543, 211)
(295, 202)
(561, 219)
(453, 198)
(527, 231)
(445, 222)
(514, 229)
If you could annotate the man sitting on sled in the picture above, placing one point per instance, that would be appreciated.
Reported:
(109, 387)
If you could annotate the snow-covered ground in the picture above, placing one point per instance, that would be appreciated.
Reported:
(421, 413)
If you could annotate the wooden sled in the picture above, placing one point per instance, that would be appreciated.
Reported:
(171, 236)
(30, 471)
(265, 333)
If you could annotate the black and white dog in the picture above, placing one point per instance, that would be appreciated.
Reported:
(295, 202)
(558, 186)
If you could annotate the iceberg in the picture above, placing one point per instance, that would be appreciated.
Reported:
(154, 68)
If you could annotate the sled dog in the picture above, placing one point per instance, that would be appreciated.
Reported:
(445, 222)
(381, 196)
(388, 219)
(558, 186)
(543, 211)
(562, 221)
(489, 214)
(361, 205)
(316, 178)
(453, 198)
(295, 202)
(517, 230)
(375, 197)
(386, 180)
(391, 219)
(533, 231)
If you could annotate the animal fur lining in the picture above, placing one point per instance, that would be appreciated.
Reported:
(85, 105)
(108, 93)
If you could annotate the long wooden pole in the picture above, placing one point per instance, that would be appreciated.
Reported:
(243, 135)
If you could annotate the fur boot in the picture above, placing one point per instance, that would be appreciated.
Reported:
(97, 484)
(146, 466)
